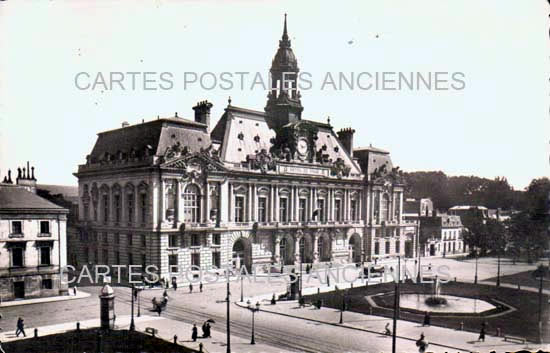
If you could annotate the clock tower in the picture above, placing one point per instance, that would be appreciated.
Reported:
(283, 101)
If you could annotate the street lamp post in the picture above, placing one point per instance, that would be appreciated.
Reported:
(475, 278)
(498, 269)
(242, 293)
(343, 307)
(139, 302)
(254, 310)
(395, 310)
(228, 350)
(132, 324)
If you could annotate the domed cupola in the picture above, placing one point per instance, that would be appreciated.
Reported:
(284, 58)
(283, 101)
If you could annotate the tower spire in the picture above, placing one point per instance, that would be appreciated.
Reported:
(284, 43)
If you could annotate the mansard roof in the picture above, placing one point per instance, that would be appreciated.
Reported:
(154, 136)
(243, 132)
(372, 159)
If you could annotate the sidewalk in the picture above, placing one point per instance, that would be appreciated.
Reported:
(166, 330)
(441, 339)
(79, 295)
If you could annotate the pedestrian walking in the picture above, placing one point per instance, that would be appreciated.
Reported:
(200, 287)
(158, 309)
(208, 335)
(74, 290)
(165, 294)
(190, 287)
(387, 329)
(427, 319)
(20, 327)
(203, 328)
(482, 332)
(194, 333)
(422, 344)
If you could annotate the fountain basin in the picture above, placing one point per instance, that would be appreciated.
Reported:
(454, 304)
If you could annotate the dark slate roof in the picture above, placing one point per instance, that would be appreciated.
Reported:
(371, 158)
(157, 135)
(13, 197)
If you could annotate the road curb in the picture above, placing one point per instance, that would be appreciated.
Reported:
(353, 328)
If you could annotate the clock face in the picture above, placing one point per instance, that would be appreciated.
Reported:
(302, 146)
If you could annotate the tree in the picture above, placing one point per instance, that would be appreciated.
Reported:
(529, 234)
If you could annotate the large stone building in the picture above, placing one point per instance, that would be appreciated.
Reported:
(32, 241)
(259, 188)
(441, 235)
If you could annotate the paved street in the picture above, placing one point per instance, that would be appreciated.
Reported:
(290, 334)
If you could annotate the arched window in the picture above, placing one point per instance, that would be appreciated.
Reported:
(192, 204)
(302, 245)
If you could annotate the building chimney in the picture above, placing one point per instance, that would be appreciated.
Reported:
(346, 138)
(25, 179)
(202, 113)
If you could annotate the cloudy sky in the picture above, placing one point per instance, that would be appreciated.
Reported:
(496, 126)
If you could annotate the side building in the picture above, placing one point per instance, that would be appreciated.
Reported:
(32, 241)
(387, 231)
(441, 235)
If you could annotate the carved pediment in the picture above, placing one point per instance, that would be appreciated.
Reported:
(383, 176)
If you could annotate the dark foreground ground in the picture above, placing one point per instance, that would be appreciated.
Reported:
(523, 322)
(90, 341)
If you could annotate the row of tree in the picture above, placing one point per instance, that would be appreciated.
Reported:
(527, 231)
(446, 191)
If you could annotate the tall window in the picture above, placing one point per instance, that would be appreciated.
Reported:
(338, 210)
(321, 210)
(216, 260)
(282, 249)
(302, 245)
(45, 227)
(117, 257)
(17, 257)
(196, 259)
(191, 204)
(105, 256)
(302, 210)
(130, 239)
(262, 209)
(173, 263)
(45, 256)
(283, 209)
(353, 209)
(173, 240)
(16, 227)
(106, 208)
(86, 211)
(239, 209)
(398, 247)
(387, 247)
(143, 206)
(320, 242)
(130, 258)
(216, 239)
(170, 200)
(385, 208)
(130, 206)
(143, 240)
(118, 207)
(376, 248)
(195, 240)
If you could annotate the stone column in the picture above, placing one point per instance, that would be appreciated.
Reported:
(179, 202)
(315, 247)
(162, 203)
(231, 201)
(270, 204)
(207, 205)
(311, 207)
(276, 209)
(249, 204)
(255, 206)
(277, 249)
(331, 205)
(297, 249)
(296, 204)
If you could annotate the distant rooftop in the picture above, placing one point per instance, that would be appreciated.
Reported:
(13, 197)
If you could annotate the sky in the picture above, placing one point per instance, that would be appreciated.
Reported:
(497, 125)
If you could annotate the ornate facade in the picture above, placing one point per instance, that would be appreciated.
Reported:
(260, 188)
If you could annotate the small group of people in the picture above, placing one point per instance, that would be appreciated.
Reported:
(191, 287)
(157, 307)
(205, 331)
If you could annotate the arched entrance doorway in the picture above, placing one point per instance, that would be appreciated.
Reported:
(242, 254)
(355, 248)
(323, 248)
(286, 251)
